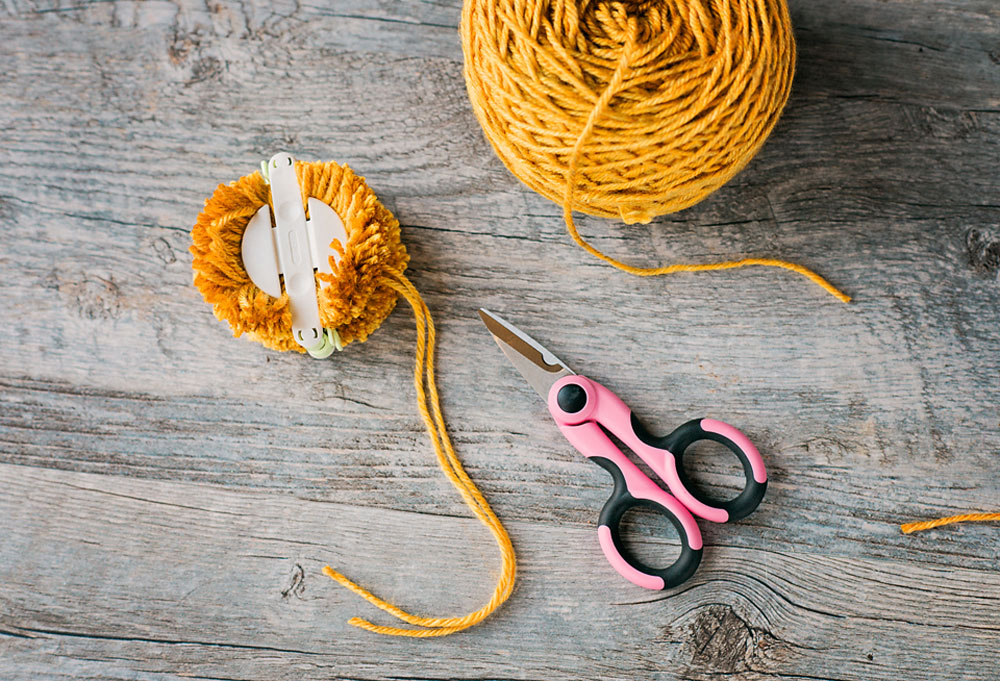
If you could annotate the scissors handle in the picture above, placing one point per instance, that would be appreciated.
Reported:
(696, 430)
(634, 489)
(576, 399)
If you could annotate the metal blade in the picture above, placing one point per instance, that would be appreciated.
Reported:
(538, 366)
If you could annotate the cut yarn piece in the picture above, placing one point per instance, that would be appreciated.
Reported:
(353, 301)
(630, 109)
(909, 528)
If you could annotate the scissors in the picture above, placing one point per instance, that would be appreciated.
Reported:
(586, 411)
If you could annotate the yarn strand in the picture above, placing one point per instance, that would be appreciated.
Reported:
(701, 267)
(424, 382)
(909, 528)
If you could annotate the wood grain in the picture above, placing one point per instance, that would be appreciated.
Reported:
(167, 505)
(222, 584)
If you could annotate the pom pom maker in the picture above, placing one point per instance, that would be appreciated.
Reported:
(293, 251)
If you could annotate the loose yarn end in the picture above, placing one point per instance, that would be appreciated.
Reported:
(909, 528)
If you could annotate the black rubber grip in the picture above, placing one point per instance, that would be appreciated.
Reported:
(686, 435)
(620, 502)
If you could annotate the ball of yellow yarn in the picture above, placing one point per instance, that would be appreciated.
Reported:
(627, 108)
(354, 300)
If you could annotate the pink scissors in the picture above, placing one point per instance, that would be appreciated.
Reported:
(586, 411)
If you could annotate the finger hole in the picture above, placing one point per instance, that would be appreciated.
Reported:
(714, 472)
(649, 537)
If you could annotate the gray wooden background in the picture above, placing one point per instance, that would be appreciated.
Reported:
(166, 507)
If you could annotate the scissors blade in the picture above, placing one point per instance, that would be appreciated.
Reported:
(538, 366)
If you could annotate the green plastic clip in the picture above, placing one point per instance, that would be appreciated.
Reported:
(331, 342)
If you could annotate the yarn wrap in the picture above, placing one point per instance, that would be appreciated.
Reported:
(354, 300)
(641, 107)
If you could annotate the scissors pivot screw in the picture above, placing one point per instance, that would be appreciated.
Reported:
(571, 398)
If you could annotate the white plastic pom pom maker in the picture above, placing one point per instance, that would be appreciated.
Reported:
(296, 249)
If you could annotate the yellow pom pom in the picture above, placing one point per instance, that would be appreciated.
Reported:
(353, 301)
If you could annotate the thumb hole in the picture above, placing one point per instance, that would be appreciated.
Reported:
(649, 537)
(713, 472)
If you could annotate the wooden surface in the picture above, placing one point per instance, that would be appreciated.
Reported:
(165, 507)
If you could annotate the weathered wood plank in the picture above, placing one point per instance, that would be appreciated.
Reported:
(821, 482)
(105, 576)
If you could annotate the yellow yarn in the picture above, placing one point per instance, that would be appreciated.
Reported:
(355, 300)
(939, 522)
(452, 467)
(629, 109)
